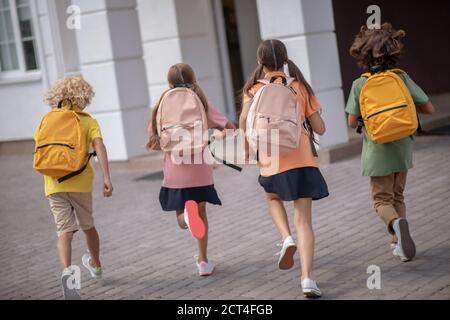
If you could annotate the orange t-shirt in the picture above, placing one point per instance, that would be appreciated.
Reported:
(303, 156)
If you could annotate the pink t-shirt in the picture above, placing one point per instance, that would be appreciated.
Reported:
(177, 176)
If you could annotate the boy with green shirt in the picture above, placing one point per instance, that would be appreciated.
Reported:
(71, 201)
(387, 164)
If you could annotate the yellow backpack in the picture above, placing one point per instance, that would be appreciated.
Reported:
(61, 149)
(387, 108)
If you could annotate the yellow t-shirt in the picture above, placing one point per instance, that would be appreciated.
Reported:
(85, 181)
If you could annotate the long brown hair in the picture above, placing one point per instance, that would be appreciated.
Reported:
(377, 49)
(273, 55)
(179, 75)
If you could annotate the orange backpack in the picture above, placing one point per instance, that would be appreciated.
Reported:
(61, 149)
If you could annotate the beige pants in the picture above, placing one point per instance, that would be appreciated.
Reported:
(72, 211)
(388, 199)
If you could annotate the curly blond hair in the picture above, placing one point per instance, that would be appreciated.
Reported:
(75, 89)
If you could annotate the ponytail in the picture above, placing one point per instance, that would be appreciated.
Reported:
(295, 72)
(199, 92)
(153, 142)
(252, 80)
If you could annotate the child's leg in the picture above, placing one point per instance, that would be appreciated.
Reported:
(203, 243)
(383, 199)
(65, 249)
(305, 234)
(399, 198)
(180, 219)
(66, 226)
(278, 214)
(93, 244)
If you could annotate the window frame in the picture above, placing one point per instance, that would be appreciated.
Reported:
(22, 72)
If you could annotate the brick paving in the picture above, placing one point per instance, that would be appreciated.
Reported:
(146, 256)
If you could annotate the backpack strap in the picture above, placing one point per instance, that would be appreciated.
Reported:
(264, 81)
(78, 172)
(223, 161)
(397, 70)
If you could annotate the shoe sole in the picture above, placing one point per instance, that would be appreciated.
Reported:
(196, 224)
(205, 274)
(311, 294)
(69, 294)
(286, 261)
(93, 275)
(405, 241)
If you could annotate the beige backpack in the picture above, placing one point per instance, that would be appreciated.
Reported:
(182, 122)
(274, 107)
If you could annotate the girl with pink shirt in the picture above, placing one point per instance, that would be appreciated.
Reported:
(187, 188)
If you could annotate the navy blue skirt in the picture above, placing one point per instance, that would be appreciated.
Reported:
(296, 184)
(175, 199)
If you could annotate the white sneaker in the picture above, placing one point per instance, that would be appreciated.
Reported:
(95, 272)
(397, 252)
(286, 260)
(205, 269)
(310, 288)
(69, 292)
(406, 245)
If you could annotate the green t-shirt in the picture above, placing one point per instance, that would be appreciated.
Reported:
(380, 160)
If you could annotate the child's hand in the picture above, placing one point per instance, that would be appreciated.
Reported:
(107, 188)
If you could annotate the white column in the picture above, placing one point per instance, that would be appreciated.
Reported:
(307, 29)
(110, 53)
(176, 31)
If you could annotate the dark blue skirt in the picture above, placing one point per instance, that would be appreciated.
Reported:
(175, 199)
(296, 184)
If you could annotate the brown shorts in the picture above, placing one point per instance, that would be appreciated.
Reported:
(72, 211)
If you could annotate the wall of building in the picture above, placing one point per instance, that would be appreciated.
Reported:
(125, 48)
(21, 97)
(181, 31)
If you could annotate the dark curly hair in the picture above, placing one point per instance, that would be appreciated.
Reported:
(377, 49)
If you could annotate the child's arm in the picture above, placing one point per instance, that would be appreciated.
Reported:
(352, 121)
(426, 108)
(317, 124)
(102, 156)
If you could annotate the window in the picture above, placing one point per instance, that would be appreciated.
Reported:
(17, 40)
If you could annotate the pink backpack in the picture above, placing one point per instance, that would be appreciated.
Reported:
(274, 107)
(181, 116)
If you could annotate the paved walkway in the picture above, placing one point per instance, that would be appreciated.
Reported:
(145, 256)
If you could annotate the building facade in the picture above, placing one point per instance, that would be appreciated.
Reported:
(125, 47)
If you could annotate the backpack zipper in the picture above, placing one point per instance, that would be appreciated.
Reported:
(385, 110)
(286, 120)
(186, 126)
(56, 144)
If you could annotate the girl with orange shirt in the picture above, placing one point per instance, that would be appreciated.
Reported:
(297, 177)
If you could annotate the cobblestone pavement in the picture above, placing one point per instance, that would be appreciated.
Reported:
(146, 256)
